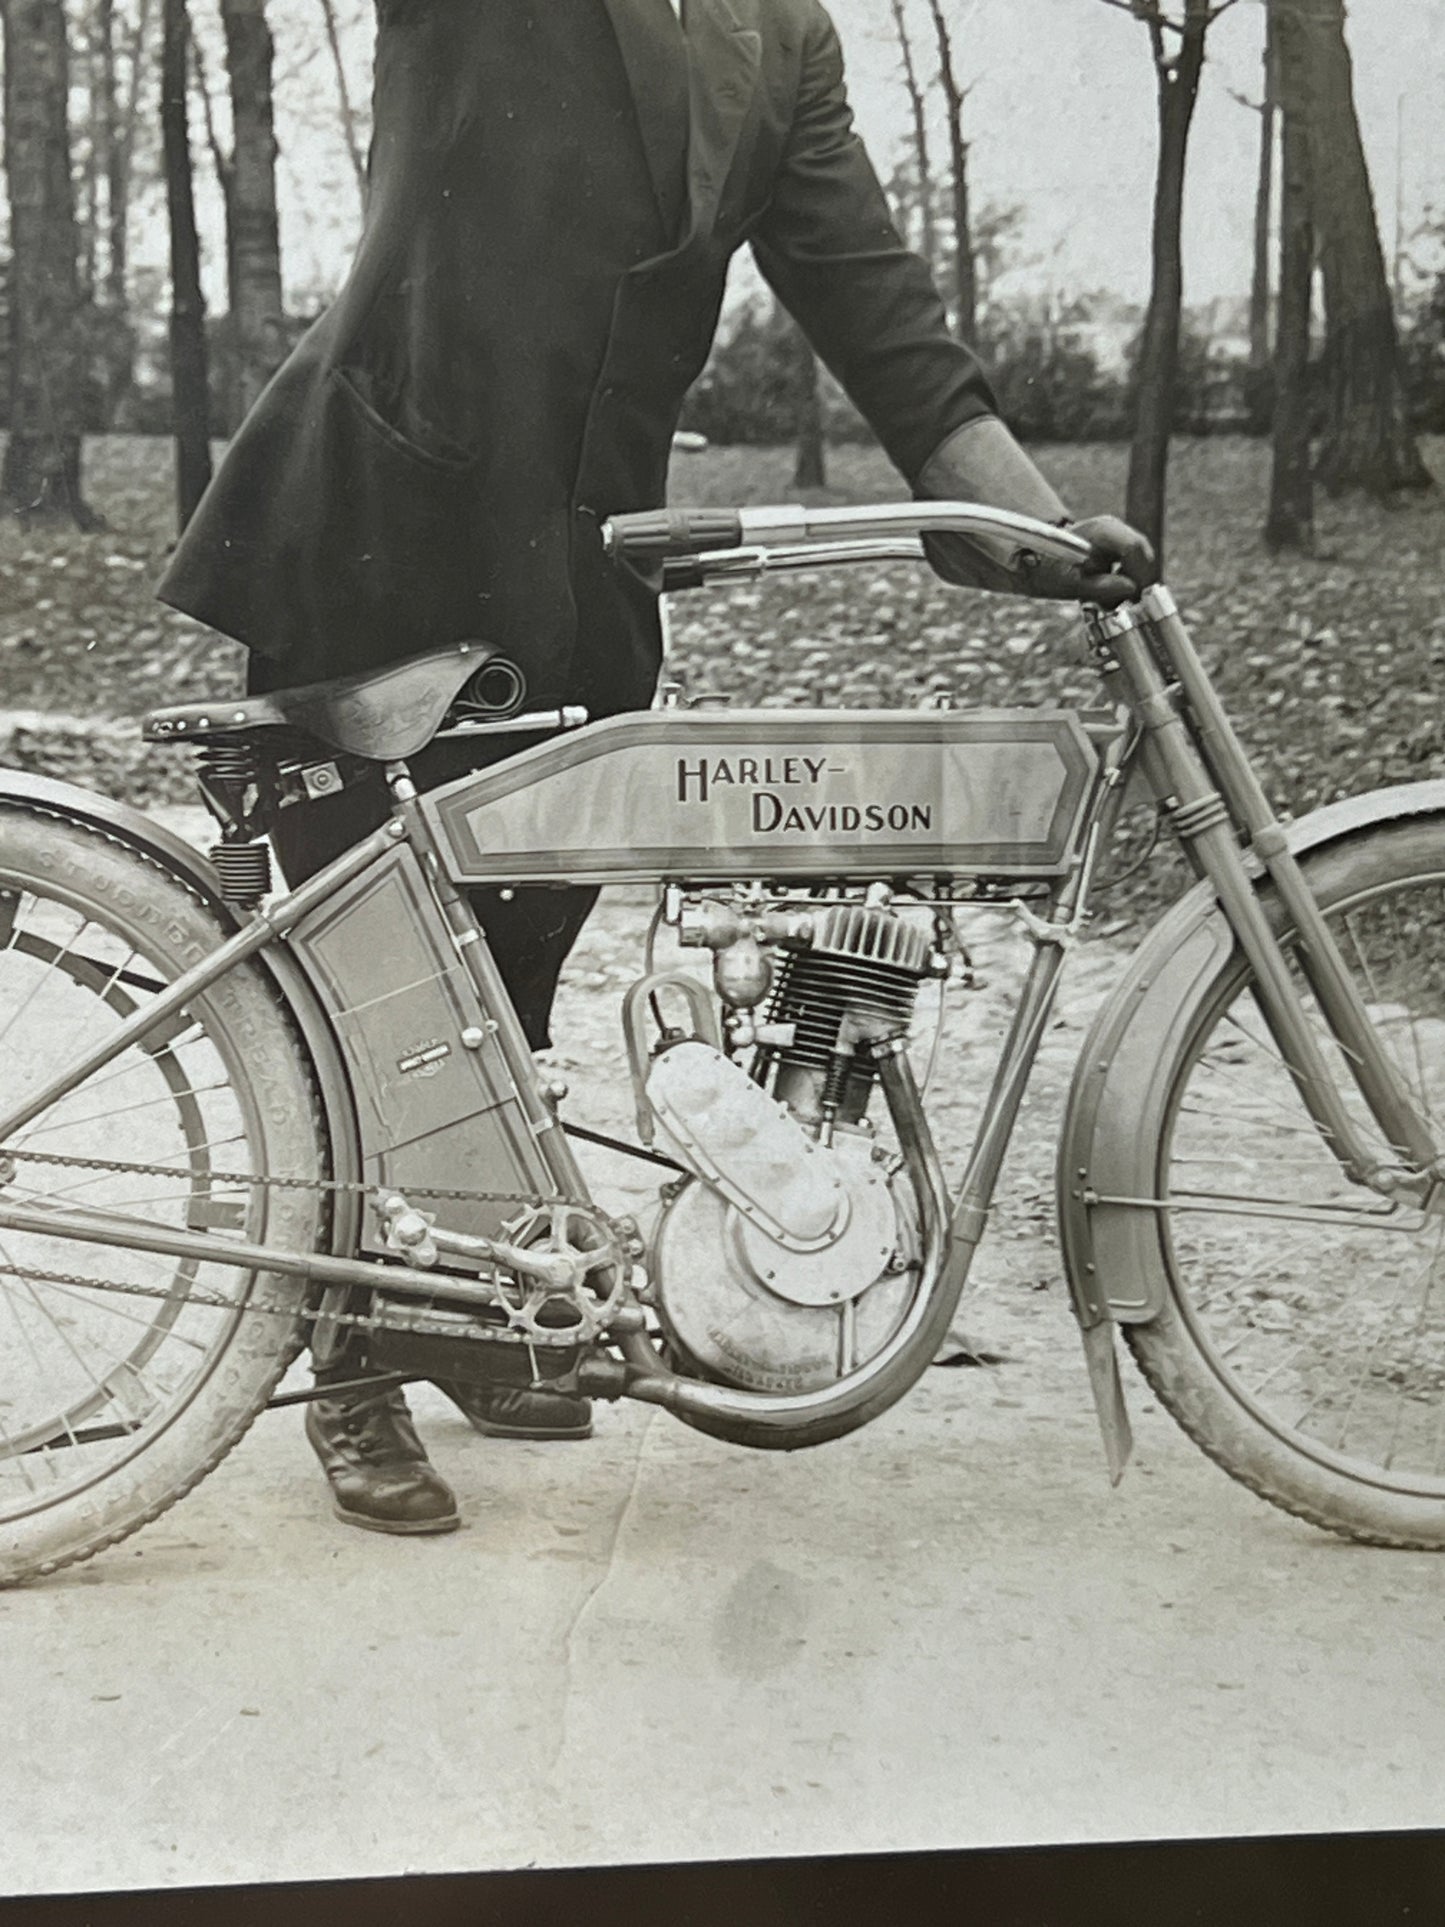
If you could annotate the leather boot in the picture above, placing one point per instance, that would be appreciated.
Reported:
(380, 1476)
(517, 1412)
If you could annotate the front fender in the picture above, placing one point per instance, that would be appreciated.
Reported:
(132, 826)
(1116, 1104)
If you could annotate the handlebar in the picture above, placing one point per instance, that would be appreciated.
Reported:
(693, 545)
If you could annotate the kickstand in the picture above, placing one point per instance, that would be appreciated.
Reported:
(373, 1382)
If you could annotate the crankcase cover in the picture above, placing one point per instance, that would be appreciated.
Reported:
(729, 1324)
(726, 1130)
(849, 1263)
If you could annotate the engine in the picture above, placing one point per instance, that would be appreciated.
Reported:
(790, 1256)
(856, 982)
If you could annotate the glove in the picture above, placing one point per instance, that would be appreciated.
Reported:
(982, 462)
(1120, 565)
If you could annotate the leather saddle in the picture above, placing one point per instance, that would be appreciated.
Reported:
(384, 715)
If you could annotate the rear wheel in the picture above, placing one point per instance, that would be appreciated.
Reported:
(125, 1377)
(1302, 1336)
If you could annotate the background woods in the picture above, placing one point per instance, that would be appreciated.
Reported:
(184, 181)
(110, 143)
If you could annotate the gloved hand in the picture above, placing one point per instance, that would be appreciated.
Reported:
(982, 462)
(1120, 566)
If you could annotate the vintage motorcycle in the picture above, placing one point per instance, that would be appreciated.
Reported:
(232, 1121)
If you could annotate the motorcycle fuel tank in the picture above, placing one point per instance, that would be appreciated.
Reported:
(712, 795)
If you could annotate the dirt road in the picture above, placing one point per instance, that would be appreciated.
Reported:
(945, 1630)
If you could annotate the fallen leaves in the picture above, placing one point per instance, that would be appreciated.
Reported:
(1330, 666)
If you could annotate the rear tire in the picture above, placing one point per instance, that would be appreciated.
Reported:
(129, 1377)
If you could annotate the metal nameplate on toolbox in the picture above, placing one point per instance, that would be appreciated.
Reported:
(713, 794)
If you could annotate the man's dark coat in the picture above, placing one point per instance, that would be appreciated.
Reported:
(435, 458)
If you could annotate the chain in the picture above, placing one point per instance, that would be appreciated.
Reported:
(269, 1181)
(372, 1320)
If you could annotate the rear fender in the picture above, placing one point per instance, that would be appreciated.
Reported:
(46, 794)
(1116, 1105)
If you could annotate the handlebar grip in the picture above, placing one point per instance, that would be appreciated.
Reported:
(659, 535)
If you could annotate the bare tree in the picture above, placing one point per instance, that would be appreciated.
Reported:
(1176, 41)
(41, 473)
(1259, 283)
(965, 276)
(1290, 522)
(343, 95)
(120, 157)
(190, 405)
(1368, 443)
(86, 144)
(922, 147)
(253, 246)
(117, 60)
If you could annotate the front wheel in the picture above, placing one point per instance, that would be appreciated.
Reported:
(1301, 1340)
(124, 1377)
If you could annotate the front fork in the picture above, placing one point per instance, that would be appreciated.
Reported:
(1203, 778)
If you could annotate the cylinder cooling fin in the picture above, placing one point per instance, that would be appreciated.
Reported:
(863, 968)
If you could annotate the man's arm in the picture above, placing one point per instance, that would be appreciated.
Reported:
(830, 251)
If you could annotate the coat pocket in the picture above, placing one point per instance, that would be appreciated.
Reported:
(392, 436)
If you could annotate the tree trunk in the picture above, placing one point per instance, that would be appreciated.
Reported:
(965, 271)
(1290, 523)
(87, 172)
(254, 251)
(1158, 366)
(1263, 197)
(922, 155)
(41, 474)
(121, 159)
(190, 412)
(343, 95)
(1368, 443)
(810, 468)
(114, 357)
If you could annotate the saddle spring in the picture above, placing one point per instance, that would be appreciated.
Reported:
(229, 773)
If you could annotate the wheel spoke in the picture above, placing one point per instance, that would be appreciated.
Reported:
(126, 1068)
(120, 1110)
(30, 1346)
(1316, 1303)
(39, 984)
(1415, 1337)
(61, 1330)
(122, 1312)
(1281, 1117)
(98, 1364)
(1379, 1339)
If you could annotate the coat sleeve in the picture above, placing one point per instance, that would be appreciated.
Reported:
(828, 248)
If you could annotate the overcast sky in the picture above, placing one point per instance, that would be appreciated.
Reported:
(1061, 119)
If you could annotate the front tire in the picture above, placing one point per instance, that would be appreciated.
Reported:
(125, 1377)
(1301, 1340)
